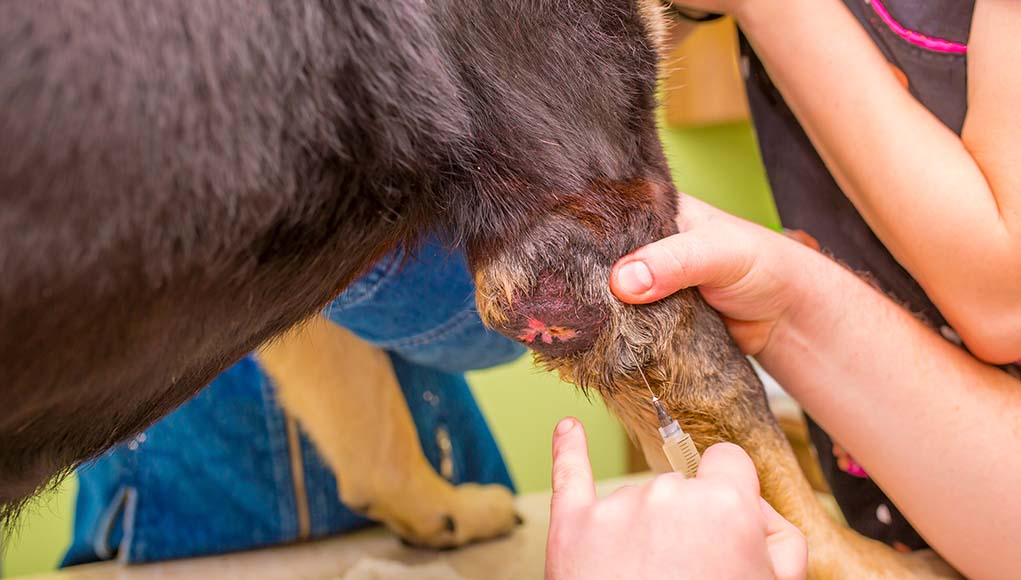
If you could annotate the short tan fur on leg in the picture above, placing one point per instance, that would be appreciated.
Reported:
(344, 393)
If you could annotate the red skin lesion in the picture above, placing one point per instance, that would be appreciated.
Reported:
(537, 329)
(550, 321)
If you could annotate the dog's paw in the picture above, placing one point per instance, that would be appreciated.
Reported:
(448, 516)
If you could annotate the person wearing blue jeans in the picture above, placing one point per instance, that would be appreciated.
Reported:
(229, 470)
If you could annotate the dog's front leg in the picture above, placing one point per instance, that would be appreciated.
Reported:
(344, 393)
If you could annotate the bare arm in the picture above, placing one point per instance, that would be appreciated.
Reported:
(947, 207)
(936, 428)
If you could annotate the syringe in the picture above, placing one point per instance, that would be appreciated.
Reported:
(678, 447)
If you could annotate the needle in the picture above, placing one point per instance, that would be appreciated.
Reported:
(642, 373)
(678, 447)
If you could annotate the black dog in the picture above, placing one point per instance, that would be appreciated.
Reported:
(182, 180)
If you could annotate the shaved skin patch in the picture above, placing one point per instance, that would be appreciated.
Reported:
(553, 323)
(537, 329)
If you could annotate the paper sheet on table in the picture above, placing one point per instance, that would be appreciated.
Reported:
(374, 569)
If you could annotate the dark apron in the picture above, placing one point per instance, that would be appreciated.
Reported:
(926, 40)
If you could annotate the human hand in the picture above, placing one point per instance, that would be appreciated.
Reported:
(712, 526)
(754, 277)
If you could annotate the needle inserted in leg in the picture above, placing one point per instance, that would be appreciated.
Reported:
(634, 359)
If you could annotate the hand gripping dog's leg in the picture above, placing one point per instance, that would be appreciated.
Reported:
(549, 290)
(344, 393)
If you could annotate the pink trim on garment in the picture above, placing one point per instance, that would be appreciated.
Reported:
(916, 38)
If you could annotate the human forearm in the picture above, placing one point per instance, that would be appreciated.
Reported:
(934, 427)
(917, 184)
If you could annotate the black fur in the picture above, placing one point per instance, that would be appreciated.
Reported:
(181, 180)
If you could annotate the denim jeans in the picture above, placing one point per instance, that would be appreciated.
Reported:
(217, 474)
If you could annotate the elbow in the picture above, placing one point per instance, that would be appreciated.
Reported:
(991, 334)
(983, 305)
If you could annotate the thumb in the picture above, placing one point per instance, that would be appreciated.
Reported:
(726, 462)
(711, 256)
(788, 550)
(573, 488)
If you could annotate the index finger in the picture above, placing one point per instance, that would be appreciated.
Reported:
(786, 544)
(573, 488)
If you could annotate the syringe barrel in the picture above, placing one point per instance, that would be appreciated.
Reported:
(682, 454)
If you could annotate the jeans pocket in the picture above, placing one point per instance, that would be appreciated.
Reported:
(116, 526)
(366, 286)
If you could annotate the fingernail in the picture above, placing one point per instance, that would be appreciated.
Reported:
(634, 278)
(564, 426)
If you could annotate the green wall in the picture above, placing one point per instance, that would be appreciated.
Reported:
(719, 164)
(42, 535)
(523, 404)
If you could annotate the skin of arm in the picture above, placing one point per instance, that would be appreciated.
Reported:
(947, 207)
(936, 428)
